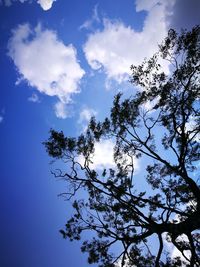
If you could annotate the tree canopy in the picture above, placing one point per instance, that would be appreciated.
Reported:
(159, 126)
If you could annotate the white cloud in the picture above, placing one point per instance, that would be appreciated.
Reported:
(177, 253)
(103, 156)
(118, 46)
(34, 98)
(147, 5)
(45, 62)
(45, 4)
(174, 251)
(85, 116)
(89, 23)
(192, 129)
(61, 110)
(181, 238)
(191, 126)
(149, 105)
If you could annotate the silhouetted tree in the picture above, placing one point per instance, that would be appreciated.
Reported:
(159, 126)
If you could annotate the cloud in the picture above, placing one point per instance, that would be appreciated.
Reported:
(178, 13)
(117, 46)
(85, 116)
(177, 253)
(185, 14)
(46, 63)
(88, 24)
(45, 4)
(192, 126)
(174, 251)
(103, 155)
(146, 5)
(149, 105)
(62, 110)
(181, 238)
(34, 98)
(103, 150)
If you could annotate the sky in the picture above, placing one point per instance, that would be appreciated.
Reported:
(61, 62)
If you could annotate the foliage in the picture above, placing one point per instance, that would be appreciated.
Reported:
(164, 138)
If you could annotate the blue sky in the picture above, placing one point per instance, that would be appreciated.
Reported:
(62, 62)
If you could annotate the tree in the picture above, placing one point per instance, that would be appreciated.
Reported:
(164, 137)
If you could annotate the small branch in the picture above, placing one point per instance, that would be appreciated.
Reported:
(159, 251)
